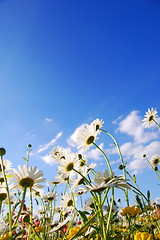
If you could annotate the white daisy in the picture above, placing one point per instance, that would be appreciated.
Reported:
(3, 192)
(89, 205)
(99, 178)
(7, 165)
(68, 202)
(58, 153)
(49, 196)
(150, 117)
(97, 123)
(86, 136)
(68, 164)
(27, 178)
(83, 171)
(59, 225)
(155, 160)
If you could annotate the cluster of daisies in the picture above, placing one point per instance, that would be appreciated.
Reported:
(28, 212)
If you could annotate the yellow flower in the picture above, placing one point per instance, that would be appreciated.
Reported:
(133, 211)
(72, 232)
(143, 236)
(39, 229)
(5, 236)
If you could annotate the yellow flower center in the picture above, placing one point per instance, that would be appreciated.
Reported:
(69, 167)
(90, 140)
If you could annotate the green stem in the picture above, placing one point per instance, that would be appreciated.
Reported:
(121, 158)
(8, 195)
(106, 158)
(22, 204)
(110, 211)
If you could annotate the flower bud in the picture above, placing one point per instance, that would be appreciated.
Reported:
(2, 151)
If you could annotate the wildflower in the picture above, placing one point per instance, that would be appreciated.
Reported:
(50, 196)
(68, 164)
(72, 232)
(58, 153)
(155, 160)
(39, 229)
(60, 225)
(67, 201)
(118, 182)
(97, 123)
(3, 192)
(143, 236)
(99, 178)
(86, 136)
(150, 117)
(89, 205)
(5, 236)
(7, 165)
(83, 171)
(27, 178)
(132, 211)
(96, 187)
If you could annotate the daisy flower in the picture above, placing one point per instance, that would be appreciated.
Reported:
(97, 123)
(58, 153)
(83, 171)
(96, 187)
(3, 192)
(27, 177)
(7, 165)
(67, 202)
(59, 225)
(155, 160)
(86, 136)
(89, 205)
(49, 196)
(68, 164)
(99, 178)
(150, 117)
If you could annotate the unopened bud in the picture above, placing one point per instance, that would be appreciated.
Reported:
(2, 151)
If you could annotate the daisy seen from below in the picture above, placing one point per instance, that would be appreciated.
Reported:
(97, 123)
(86, 136)
(155, 160)
(58, 153)
(68, 202)
(7, 165)
(150, 118)
(49, 196)
(26, 177)
(70, 163)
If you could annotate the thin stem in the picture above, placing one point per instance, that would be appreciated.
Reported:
(22, 204)
(121, 157)
(8, 195)
(110, 211)
(106, 158)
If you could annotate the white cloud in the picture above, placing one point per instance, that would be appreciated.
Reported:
(95, 153)
(48, 159)
(132, 125)
(71, 140)
(145, 141)
(45, 146)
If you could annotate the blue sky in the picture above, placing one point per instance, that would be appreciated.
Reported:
(65, 63)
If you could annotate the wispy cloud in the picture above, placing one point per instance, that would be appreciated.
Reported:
(48, 119)
(45, 146)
